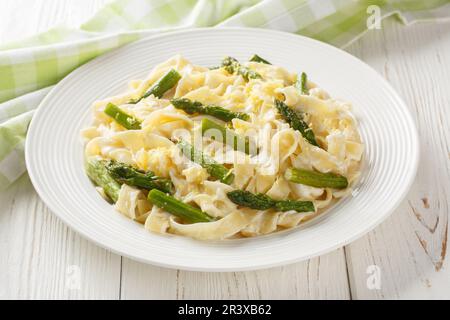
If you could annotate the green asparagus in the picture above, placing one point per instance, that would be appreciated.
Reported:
(192, 107)
(295, 119)
(299, 206)
(254, 201)
(167, 82)
(97, 172)
(263, 202)
(230, 64)
(234, 67)
(256, 58)
(316, 179)
(227, 136)
(124, 119)
(212, 167)
(178, 208)
(126, 174)
(301, 83)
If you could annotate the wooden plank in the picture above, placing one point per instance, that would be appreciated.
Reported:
(41, 257)
(320, 278)
(410, 247)
(24, 18)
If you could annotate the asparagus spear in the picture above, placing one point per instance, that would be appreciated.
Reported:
(295, 119)
(256, 58)
(229, 64)
(97, 172)
(263, 202)
(299, 206)
(177, 207)
(301, 83)
(316, 179)
(214, 169)
(228, 136)
(233, 66)
(192, 107)
(254, 201)
(167, 82)
(124, 119)
(124, 173)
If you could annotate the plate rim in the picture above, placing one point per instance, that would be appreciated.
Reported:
(386, 213)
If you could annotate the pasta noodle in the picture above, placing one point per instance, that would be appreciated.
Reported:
(152, 148)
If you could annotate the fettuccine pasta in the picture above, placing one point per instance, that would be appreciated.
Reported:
(288, 153)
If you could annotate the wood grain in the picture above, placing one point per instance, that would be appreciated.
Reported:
(324, 277)
(411, 246)
(40, 256)
(24, 18)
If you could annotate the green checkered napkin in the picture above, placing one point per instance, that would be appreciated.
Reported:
(30, 67)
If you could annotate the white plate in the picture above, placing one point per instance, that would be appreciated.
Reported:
(54, 151)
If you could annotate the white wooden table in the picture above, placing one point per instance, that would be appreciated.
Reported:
(40, 256)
